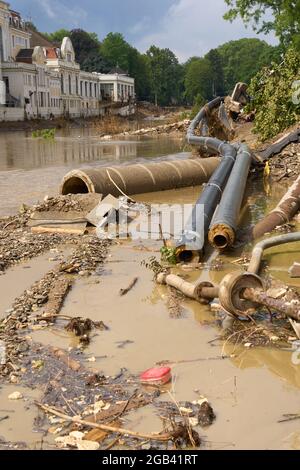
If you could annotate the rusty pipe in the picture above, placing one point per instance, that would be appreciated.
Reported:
(139, 178)
(283, 213)
(239, 294)
(202, 292)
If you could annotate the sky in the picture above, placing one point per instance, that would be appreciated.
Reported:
(187, 27)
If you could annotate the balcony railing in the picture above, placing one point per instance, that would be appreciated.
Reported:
(17, 23)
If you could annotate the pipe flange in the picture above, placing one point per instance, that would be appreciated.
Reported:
(231, 290)
(199, 293)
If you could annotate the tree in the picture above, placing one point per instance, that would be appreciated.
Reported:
(276, 96)
(30, 25)
(57, 36)
(242, 59)
(87, 51)
(199, 77)
(285, 22)
(218, 84)
(116, 50)
(165, 75)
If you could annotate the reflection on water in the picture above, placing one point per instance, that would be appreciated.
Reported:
(31, 168)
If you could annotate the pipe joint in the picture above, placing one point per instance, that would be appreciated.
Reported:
(231, 293)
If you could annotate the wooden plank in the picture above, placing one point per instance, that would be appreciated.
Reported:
(71, 229)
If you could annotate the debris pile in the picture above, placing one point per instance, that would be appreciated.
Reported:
(176, 127)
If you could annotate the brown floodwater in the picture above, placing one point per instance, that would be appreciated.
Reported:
(31, 168)
(250, 390)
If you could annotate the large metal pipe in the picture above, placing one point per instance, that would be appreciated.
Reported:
(191, 242)
(222, 232)
(139, 178)
(283, 213)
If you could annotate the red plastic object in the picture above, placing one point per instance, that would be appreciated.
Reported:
(156, 376)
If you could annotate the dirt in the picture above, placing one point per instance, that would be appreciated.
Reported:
(286, 164)
(81, 346)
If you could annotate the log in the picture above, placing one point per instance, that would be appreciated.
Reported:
(282, 214)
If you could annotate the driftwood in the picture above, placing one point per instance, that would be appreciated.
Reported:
(73, 419)
(131, 286)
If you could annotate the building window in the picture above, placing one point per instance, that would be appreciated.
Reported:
(86, 88)
(91, 89)
(62, 83)
(1, 46)
(70, 85)
(81, 88)
(95, 86)
(76, 85)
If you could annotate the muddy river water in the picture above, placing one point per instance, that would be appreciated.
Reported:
(249, 391)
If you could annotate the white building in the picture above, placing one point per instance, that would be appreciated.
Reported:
(38, 80)
(117, 86)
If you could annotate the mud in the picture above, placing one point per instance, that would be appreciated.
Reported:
(250, 388)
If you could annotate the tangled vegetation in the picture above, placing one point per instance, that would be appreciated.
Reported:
(276, 96)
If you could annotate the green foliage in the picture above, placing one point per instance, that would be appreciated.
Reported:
(165, 75)
(199, 102)
(48, 134)
(31, 25)
(117, 52)
(198, 80)
(285, 21)
(168, 255)
(275, 96)
(218, 80)
(57, 36)
(158, 75)
(242, 59)
(87, 49)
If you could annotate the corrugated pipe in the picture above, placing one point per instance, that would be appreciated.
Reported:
(139, 178)
(191, 242)
(222, 232)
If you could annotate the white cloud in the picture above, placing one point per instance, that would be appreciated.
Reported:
(193, 27)
(68, 16)
(140, 26)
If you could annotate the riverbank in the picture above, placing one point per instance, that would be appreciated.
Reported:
(105, 124)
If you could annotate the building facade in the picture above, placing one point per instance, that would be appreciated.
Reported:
(38, 80)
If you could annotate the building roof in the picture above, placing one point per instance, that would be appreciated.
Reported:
(38, 39)
(52, 53)
(118, 70)
(24, 55)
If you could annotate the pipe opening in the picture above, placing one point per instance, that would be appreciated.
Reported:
(74, 185)
(220, 241)
(186, 256)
